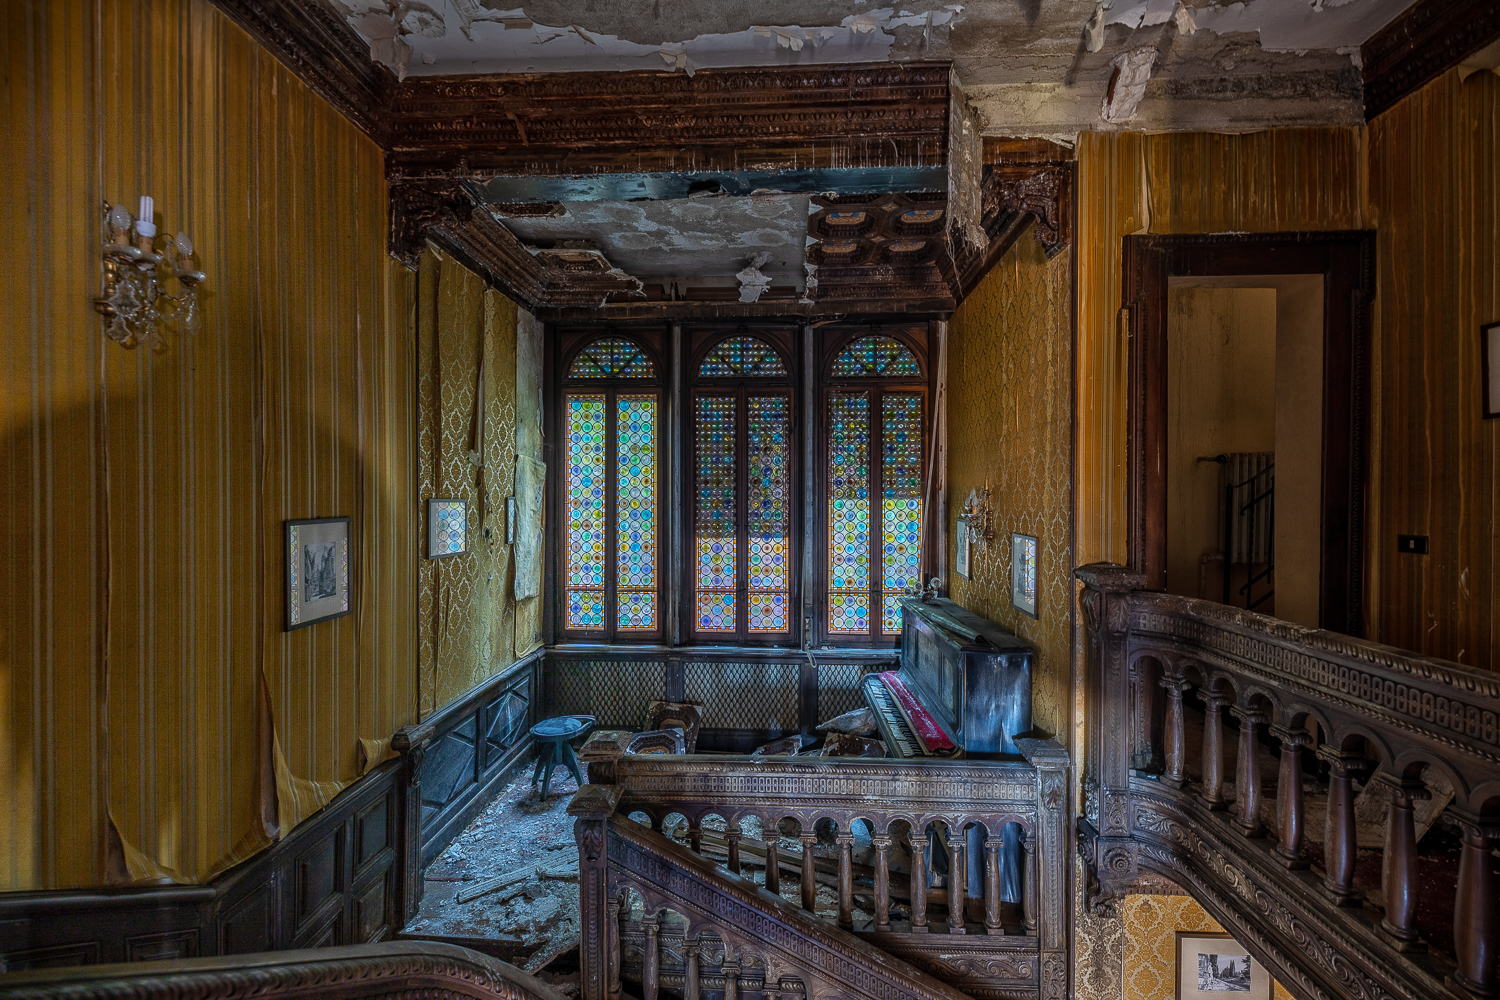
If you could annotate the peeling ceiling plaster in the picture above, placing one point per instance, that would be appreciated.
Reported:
(703, 240)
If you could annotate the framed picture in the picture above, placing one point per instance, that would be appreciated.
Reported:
(510, 520)
(1216, 967)
(1489, 355)
(961, 545)
(447, 528)
(317, 571)
(1023, 573)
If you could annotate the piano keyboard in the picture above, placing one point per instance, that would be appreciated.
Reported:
(891, 721)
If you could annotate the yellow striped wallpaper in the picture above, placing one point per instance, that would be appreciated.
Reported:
(144, 493)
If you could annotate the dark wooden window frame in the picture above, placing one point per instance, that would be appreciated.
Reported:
(572, 343)
(876, 386)
(697, 345)
(1345, 259)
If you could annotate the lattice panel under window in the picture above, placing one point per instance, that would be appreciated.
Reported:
(838, 687)
(617, 691)
(745, 695)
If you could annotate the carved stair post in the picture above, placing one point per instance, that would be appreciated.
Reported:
(1247, 793)
(1475, 916)
(1399, 861)
(732, 835)
(616, 901)
(919, 882)
(958, 880)
(1213, 749)
(1339, 845)
(593, 805)
(845, 841)
(1053, 818)
(809, 872)
(771, 837)
(992, 885)
(1173, 737)
(1289, 809)
(651, 956)
(690, 949)
(882, 844)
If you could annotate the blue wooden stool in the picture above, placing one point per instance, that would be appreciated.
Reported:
(552, 736)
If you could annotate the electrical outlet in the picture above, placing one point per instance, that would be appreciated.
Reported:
(1412, 544)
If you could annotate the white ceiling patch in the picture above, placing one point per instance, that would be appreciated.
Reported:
(1127, 85)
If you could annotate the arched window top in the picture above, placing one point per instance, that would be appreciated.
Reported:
(611, 357)
(875, 356)
(742, 357)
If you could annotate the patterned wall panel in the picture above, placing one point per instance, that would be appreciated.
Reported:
(144, 492)
(616, 691)
(1151, 924)
(745, 695)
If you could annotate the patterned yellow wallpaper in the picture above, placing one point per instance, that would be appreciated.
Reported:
(1151, 925)
(143, 493)
(1010, 402)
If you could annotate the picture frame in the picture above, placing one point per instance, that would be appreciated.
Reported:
(1023, 573)
(510, 520)
(447, 527)
(1214, 966)
(318, 570)
(1489, 355)
(961, 548)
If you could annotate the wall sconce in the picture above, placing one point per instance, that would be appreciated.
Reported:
(978, 516)
(135, 303)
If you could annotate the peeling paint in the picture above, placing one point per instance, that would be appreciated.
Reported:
(752, 281)
(1128, 84)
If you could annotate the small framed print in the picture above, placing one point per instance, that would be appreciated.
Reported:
(447, 528)
(961, 547)
(1216, 967)
(317, 571)
(1023, 573)
(510, 520)
(1489, 355)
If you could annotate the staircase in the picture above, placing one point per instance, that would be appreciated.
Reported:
(683, 918)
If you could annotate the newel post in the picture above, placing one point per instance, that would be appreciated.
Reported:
(1053, 817)
(593, 805)
(1106, 619)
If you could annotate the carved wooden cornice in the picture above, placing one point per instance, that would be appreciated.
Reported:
(1429, 38)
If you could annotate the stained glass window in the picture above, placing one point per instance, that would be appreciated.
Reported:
(635, 512)
(742, 356)
(585, 511)
(611, 357)
(876, 357)
(716, 521)
(901, 502)
(849, 514)
(768, 513)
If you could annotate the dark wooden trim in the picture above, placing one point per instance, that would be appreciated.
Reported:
(1346, 260)
(1426, 40)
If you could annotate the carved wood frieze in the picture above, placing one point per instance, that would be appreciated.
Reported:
(1427, 39)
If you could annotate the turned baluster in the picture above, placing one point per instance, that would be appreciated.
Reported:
(771, 836)
(1289, 795)
(919, 883)
(1399, 862)
(882, 844)
(733, 836)
(809, 872)
(690, 950)
(992, 885)
(958, 881)
(651, 957)
(1173, 737)
(846, 880)
(1247, 793)
(1028, 889)
(1213, 749)
(1339, 844)
(612, 963)
(1475, 916)
(731, 970)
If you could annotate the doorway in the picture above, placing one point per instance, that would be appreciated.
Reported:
(1247, 419)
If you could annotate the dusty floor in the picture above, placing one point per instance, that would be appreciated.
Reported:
(527, 923)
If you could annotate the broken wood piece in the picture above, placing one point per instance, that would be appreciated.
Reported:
(850, 745)
(860, 722)
(489, 885)
(561, 873)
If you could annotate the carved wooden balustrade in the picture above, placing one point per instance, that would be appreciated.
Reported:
(410, 970)
(1397, 720)
(697, 911)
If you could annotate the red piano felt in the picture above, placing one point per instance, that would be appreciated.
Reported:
(923, 724)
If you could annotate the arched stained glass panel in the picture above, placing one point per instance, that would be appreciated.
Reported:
(742, 356)
(611, 357)
(875, 357)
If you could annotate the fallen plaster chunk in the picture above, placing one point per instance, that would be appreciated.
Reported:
(1132, 71)
(752, 283)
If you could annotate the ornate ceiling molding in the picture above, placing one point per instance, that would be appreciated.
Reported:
(1427, 40)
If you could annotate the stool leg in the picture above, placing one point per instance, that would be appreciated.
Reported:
(571, 760)
(552, 762)
(542, 750)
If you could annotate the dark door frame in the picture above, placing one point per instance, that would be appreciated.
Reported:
(1346, 260)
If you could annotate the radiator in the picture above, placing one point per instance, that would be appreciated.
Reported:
(1247, 475)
